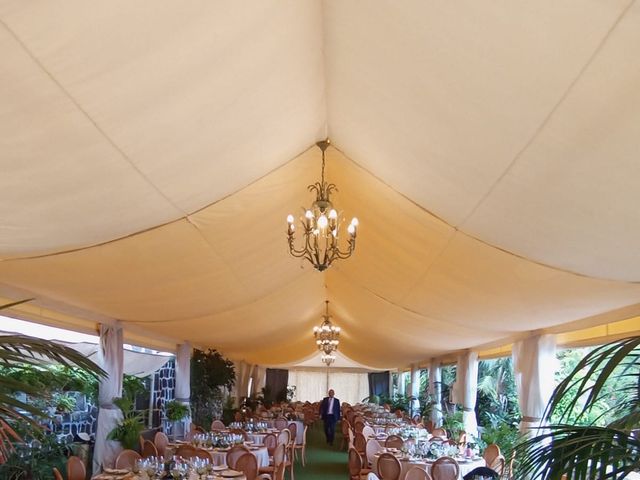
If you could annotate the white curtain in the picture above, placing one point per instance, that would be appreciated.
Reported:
(110, 358)
(183, 381)
(401, 389)
(313, 385)
(415, 389)
(534, 364)
(244, 371)
(435, 391)
(467, 385)
(259, 379)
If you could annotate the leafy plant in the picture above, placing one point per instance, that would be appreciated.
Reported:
(130, 427)
(590, 451)
(37, 461)
(210, 372)
(23, 352)
(65, 403)
(176, 411)
(453, 424)
(505, 435)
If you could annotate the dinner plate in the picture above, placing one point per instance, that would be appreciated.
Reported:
(231, 474)
(219, 468)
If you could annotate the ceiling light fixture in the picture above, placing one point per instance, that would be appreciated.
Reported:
(327, 337)
(320, 226)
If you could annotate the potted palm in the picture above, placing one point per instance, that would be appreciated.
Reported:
(585, 447)
(177, 413)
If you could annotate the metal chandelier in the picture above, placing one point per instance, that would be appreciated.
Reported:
(327, 337)
(320, 226)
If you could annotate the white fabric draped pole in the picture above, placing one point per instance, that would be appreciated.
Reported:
(110, 358)
(415, 389)
(435, 391)
(401, 380)
(467, 383)
(183, 380)
(534, 363)
(259, 379)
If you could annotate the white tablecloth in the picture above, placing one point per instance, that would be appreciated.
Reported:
(299, 432)
(406, 465)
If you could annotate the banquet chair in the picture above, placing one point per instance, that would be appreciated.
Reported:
(234, 454)
(302, 447)
(284, 437)
(127, 459)
(416, 419)
(417, 473)
(293, 429)
(270, 442)
(140, 443)
(161, 441)
(490, 454)
(56, 474)
(445, 468)
(439, 432)
(217, 425)
(277, 475)
(498, 465)
(394, 441)
(186, 451)
(281, 423)
(149, 449)
(76, 469)
(247, 464)
(356, 470)
(202, 454)
(358, 426)
(360, 444)
(373, 446)
(389, 467)
(429, 425)
(278, 459)
(345, 428)
(368, 431)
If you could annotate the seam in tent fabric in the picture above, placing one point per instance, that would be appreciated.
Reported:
(410, 311)
(213, 250)
(223, 312)
(155, 227)
(551, 113)
(468, 235)
(91, 120)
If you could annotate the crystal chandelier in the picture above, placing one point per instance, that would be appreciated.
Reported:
(328, 359)
(327, 337)
(320, 226)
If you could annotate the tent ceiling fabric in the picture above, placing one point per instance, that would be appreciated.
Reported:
(150, 153)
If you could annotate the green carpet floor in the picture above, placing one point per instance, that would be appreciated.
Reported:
(323, 462)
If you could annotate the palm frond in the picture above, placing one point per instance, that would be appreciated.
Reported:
(580, 452)
(585, 383)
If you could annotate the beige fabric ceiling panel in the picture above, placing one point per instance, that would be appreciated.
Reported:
(150, 152)
(586, 163)
(165, 106)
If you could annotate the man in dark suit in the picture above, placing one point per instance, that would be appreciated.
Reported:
(330, 413)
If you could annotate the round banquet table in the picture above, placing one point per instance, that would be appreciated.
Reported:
(219, 456)
(426, 465)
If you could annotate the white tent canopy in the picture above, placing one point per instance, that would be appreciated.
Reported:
(151, 151)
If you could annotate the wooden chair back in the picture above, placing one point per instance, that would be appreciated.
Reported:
(127, 459)
(247, 464)
(234, 454)
(149, 450)
(161, 441)
(394, 441)
(389, 467)
(76, 469)
(445, 468)
(417, 473)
